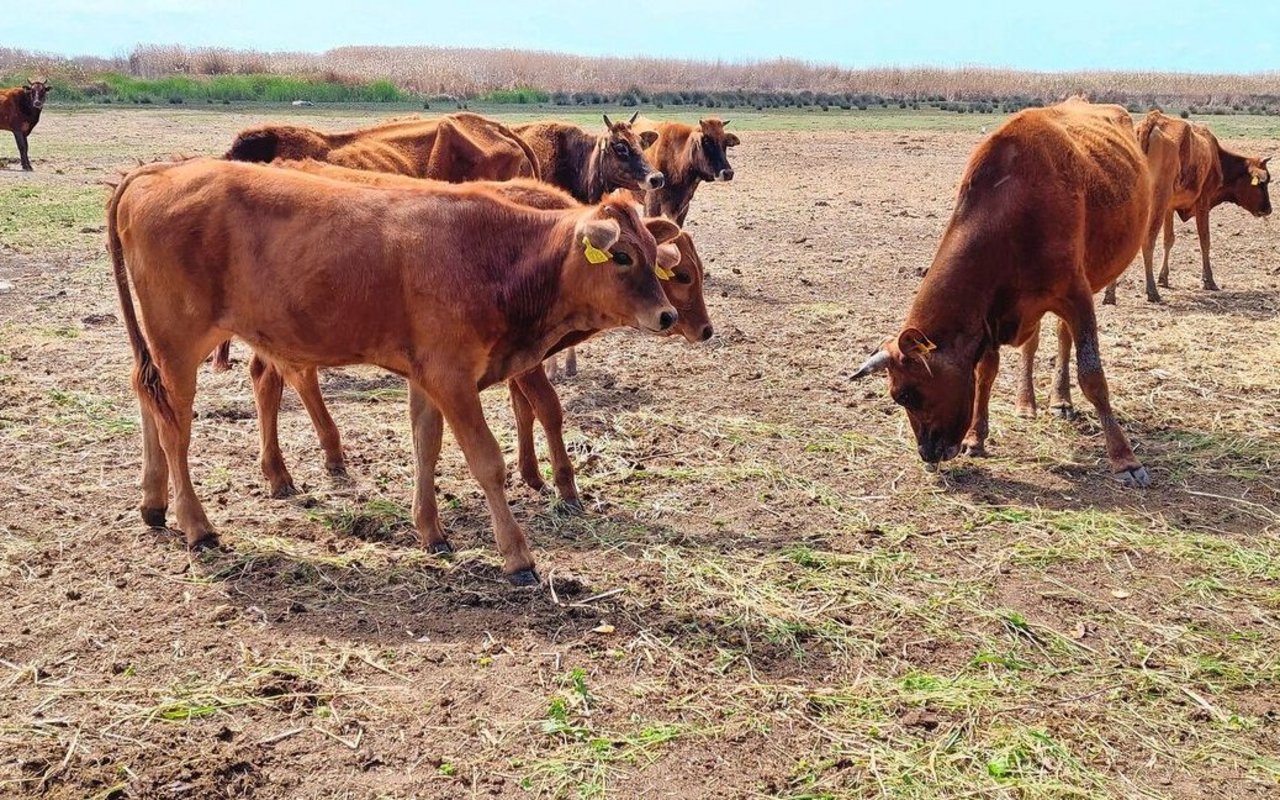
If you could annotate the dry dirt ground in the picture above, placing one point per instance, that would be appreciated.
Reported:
(767, 597)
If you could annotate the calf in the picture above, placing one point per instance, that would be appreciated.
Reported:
(686, 156)
(531, 393)
(1191, 173)
(453, 287)
(1052, 207)
(588, 166)
(20, 109)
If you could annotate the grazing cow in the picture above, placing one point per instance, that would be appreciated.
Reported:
(455, 148)
(531, 393)
(453, 287)
(1191, 173)
(1052, 207)
(20, 109)
(588, 166)
(686, 156)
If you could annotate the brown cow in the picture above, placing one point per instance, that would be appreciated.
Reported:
(453, 287)
(20, 109)
(1052, 207)
(1191, 173)
(455, 148)
(531, 393)
(686, 157)
(589, 166)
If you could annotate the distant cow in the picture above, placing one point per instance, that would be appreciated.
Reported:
(686, 156)
(1052, 207)
(20, 109)
(531, 393)
(454, 287)
(1191, 174)
(589, 166)
(455, 148)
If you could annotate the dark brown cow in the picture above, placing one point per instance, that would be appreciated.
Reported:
(455, 148)
(20, 109)
(686, 156)
(1052, 207)
(589, 166)
(1191, 173)
(531, 393)
(453, 287)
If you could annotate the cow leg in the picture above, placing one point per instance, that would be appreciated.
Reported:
(975, 441)
(552, 366)
(459, 401)
(571, 363)
(1202, 230)
(222, 357)
(1061, 404)
(526, 454)
(21, 139)
(1084, 328)
(306, 382)
(268, 386)
(155, 472)
(1109, 296)
(542, 395)
(428, 431)
(175, 439)
(1027, 380)
(1168, 245)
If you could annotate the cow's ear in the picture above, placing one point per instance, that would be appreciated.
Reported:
(668, 255)
(731, 140)
(663, 229)
(607, 123)
(647, 138)
(600, 234)
(912, 343)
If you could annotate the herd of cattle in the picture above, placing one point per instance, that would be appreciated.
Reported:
(459, 252)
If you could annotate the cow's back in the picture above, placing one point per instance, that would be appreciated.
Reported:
(1183, 159)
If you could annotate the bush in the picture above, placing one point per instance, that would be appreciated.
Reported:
(175, 100)
(1185, 114)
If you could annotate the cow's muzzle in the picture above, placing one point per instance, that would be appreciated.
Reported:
(724, 175)
(660, 320)
(654, 180)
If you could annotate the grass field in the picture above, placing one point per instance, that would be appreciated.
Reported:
(768, 597)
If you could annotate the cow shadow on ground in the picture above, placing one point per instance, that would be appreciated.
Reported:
(1252, 304)
(1180, 492)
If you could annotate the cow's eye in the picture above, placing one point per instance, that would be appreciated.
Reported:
(683, 278)
(621, 149)
(621, 259)
(907, 398)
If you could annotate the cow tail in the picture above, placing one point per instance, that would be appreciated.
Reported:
(146, 376)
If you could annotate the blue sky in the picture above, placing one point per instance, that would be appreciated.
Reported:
(1174, 35)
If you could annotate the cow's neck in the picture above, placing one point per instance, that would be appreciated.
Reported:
(29, 111)
(1231, 166)
(963, 307)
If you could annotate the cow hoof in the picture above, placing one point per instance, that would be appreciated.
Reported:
(524, 577)
(154, 517)
(1210, 286)
(1027, 412)
(973, 450)
(573, 505)
(205, 543)
(1154, 297)
(1108, 299)
(572, 372)
(283, 491)
(1064, 412)
(337, 469)
(440, 549)
(1134, 477)
(1163, 283)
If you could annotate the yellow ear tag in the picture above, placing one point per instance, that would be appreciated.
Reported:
(664, 274)
(1255, 180)
(594, 254)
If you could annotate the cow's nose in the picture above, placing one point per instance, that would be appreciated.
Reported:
(707, 332)
(726, 175)
(667, 319)
(656, 180)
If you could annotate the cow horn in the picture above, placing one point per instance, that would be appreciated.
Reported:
(607, 123)
(633, 119)
(878, 361)
(1264, 162)
(726, 122)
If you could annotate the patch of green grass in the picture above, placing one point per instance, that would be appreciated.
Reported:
(216, 88)
(39, 217)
